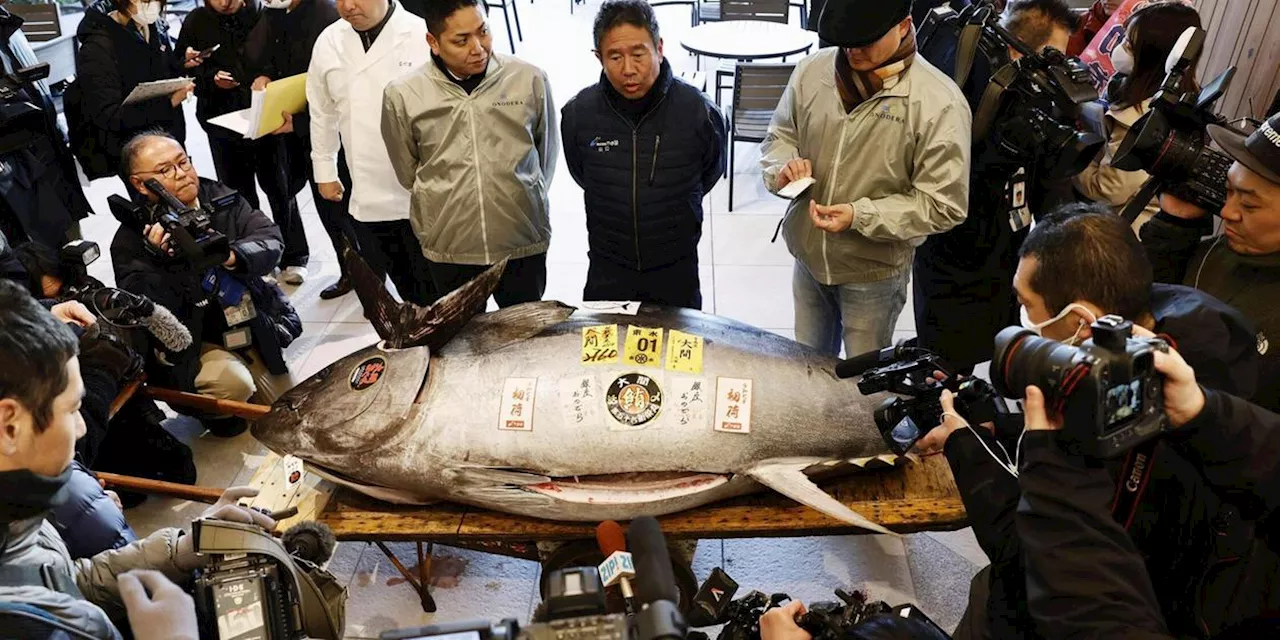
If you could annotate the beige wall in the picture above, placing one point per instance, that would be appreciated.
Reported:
(1244, 33)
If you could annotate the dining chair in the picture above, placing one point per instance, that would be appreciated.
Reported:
(506, 15)
(757, 88)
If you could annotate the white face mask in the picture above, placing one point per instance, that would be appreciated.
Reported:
(147, 13)
(1121, 59)
(277, 4)
(1038, 328)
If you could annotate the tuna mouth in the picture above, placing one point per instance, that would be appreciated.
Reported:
(628, 488)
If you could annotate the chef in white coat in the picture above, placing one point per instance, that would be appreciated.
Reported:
(353, 61)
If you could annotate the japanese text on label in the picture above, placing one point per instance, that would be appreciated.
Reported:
(733, 405)
(690, 396)
(644, 347)
(517, 404)
(684, 352)
(600, 344)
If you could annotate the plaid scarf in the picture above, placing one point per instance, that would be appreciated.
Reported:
(857, 86)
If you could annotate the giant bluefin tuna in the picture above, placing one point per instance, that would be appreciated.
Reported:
(554, 412)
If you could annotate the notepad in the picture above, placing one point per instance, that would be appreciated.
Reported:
(156, 89)
(796, 188)
(264, 113)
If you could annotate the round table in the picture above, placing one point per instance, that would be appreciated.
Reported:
(747, 40)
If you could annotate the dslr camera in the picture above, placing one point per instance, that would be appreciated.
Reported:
(907, 371)
(260, 587)
(1031, 105)
(190, 228)
(1107, 389)
(1170, 142)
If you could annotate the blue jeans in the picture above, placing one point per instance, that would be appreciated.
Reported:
(863, 313)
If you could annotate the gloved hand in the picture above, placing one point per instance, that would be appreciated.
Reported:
(157, 608)
(224, 509)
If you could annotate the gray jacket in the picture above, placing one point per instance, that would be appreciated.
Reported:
(901, 158)
(35, 542)
(478, 166)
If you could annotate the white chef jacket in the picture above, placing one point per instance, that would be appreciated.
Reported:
(344, 95)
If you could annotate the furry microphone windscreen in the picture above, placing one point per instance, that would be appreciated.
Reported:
(168, 329)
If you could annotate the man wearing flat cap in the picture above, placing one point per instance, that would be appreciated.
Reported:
(885, 136)
(1242, 266)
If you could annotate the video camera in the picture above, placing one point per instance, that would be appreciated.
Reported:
(21, 121)
(191, 228)
(908, 370)
(576, 608)
(1107, 390)
(1170, 141)
(260, 587)
(1030, 106)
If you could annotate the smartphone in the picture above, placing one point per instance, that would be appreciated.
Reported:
(208, 52)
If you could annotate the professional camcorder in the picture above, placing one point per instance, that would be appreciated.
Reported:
(1107, 389)
(907, 370)
(189, 228)
(260, 587)
(1170, 142)
(1030, 107)
(576, 606)
(21, 122)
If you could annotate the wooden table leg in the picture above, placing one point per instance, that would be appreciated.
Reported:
(428, 603)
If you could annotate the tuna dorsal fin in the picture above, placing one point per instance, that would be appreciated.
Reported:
(405, 324)
(786, 476)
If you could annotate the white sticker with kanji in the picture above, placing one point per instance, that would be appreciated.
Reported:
(691, 399)
(292, 467)
(517, 404)
(580, 399)
(733, 405)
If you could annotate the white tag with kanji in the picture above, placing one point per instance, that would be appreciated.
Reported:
(580, 399)
(517, 404)
(691, 399)
(292, 466)
(1019, 210)
(733, 405)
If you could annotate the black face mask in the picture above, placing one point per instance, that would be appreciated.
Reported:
(28, 494)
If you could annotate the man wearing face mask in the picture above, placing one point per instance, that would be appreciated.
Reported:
(886, 136)
(279, 48)
(1078, 264)
(473, 137)
(42, 590)
(123, 43)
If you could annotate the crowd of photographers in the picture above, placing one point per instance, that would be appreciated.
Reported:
(998, 212)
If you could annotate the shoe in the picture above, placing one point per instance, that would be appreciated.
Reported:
(273, 277)
(336, 290)
(225, 427)
(294, 275)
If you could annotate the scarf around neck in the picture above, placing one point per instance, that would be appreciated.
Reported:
(27, 494)
(856, 87)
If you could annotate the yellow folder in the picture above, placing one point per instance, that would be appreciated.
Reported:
(288, 95)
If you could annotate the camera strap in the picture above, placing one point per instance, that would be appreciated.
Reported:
(1134, 477)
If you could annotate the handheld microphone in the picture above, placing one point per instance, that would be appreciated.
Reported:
(659, 616)
(617, 567)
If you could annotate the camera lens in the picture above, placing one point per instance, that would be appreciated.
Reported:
(1023, 358)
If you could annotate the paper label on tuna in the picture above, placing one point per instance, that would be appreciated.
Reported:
(626, 308)
(580, 398)
(517, 404)
(600, 344)
(292, 468)
(633, 401)
(644, 347)
(733, 405)
(684, 352)
(691, 398)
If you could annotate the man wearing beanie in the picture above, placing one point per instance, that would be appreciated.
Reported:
(885, 135)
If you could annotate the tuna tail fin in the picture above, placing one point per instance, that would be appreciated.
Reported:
(405, 324)
(786, 476)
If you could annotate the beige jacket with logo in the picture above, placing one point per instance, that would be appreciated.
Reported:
(901, 158)
(477, 166)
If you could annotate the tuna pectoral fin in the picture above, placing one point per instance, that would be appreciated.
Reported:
(405, 324)
(786, 476)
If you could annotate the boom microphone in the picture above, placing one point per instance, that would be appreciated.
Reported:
(124, 309)
(617, 567)
(655, 583)
(168, 329)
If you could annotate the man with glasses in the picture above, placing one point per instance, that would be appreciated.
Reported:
(241, 323)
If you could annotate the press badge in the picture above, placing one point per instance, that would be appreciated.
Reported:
(1019, 212)
(237, 338)
(242, 312)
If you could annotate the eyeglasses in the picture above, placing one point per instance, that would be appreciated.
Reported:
(169, 171)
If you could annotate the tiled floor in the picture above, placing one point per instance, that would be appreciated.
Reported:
(744, 276)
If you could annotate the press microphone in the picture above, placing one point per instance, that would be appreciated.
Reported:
(859, 364)
(124, 309)
(659, 616)
(617, 567)
(168, 329)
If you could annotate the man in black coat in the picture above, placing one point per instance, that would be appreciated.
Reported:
(646, 148)
(222, 86)
(1077, 265)
(217, 304)
(279, 49)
